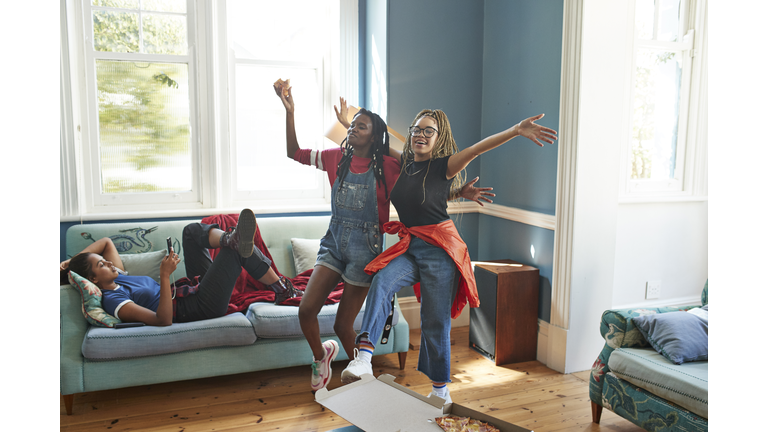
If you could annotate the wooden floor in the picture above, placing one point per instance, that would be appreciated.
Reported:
(527, 394)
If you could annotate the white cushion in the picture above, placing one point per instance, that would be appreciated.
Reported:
(304, 253)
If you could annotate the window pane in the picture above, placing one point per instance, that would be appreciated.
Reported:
(125, 4)
(303, 34)
(662, 24)
(644, 18)
(669, 20)
(179, 6)
(115, 31)
(260, 131)
(143, 127)
(164, 34)
(656, 114)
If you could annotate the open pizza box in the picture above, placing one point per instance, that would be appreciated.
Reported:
(382, 405)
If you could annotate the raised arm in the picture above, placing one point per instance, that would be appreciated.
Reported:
(341, 116)
(104, 247)
(291, 143)
(527, 128)
(131, 312)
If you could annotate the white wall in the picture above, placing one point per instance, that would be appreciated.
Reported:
(665, 242)
(601, 127)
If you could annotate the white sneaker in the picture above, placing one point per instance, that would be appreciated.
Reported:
(321, 369)
(447, 397)
(355, 369)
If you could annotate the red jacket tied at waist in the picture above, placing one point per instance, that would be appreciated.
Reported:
(443, 235)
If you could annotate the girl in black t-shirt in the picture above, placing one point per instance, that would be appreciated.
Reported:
(430, 251)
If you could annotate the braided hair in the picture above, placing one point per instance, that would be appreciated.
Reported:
(380, 148)
(445, 146)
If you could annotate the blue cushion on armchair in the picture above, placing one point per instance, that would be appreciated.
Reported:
(679, 336)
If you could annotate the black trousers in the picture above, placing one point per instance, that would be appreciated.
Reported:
(218, 276)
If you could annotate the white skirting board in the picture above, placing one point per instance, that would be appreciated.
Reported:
(410, 308)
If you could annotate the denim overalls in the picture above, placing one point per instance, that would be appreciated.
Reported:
(353, 238)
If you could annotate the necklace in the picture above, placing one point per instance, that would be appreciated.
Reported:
(407, 167)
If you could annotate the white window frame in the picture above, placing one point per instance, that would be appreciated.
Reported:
(268, 202)
(128, 202)
(212, 149)
(689, 182)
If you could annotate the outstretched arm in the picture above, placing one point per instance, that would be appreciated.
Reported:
(527, 128)
(131, 312)
(291, 142)
(104, 247)
(471, 193)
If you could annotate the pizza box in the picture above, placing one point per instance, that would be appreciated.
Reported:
(382, 405)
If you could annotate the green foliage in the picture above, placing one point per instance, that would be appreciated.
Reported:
(143, 116)
(165, 79)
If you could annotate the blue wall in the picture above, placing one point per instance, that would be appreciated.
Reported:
(487, 64)
(521, 78)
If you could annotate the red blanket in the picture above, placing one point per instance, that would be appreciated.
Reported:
(247, 289)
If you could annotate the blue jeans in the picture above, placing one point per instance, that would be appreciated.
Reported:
(439, 279)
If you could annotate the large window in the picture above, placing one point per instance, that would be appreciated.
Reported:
(659, 157)
(263, 49)
(140, 94)
(173, 109)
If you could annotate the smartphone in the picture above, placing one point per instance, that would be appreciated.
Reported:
(128, 324)
(168, 241)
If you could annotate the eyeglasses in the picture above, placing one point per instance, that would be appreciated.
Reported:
(427, 131)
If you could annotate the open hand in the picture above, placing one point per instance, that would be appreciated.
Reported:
(286, 98)
(341, 114)
(529, 129)
(469, 192)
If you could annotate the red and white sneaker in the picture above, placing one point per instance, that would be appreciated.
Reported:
(321, 369)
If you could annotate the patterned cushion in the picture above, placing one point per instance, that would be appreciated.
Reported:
(111, 344)
(90, 295)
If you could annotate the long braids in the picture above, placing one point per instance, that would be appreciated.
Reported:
(380, 149)
(445, 146)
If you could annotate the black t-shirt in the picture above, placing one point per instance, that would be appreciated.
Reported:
(423, 203)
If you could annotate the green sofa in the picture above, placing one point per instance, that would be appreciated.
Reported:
(97, 358)
(636, 382)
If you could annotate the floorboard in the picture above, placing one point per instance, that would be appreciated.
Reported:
(527, 394)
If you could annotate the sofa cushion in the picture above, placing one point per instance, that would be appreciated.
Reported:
(304, 253)
(686, 385)
(144, 264)
(90, 296)
(111, 344)
(271, 321)
(679, 336)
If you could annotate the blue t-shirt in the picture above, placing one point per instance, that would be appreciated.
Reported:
(142, 290)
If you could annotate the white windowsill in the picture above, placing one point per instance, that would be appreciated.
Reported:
(661, 199)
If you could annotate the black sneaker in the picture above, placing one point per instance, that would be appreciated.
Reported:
(240, 238)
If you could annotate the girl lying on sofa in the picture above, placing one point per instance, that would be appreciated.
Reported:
(141, 299)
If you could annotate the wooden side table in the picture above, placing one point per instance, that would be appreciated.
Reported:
(505, 326)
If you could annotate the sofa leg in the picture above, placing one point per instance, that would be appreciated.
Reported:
(597, 411)
(69, 400)
(402, 357)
